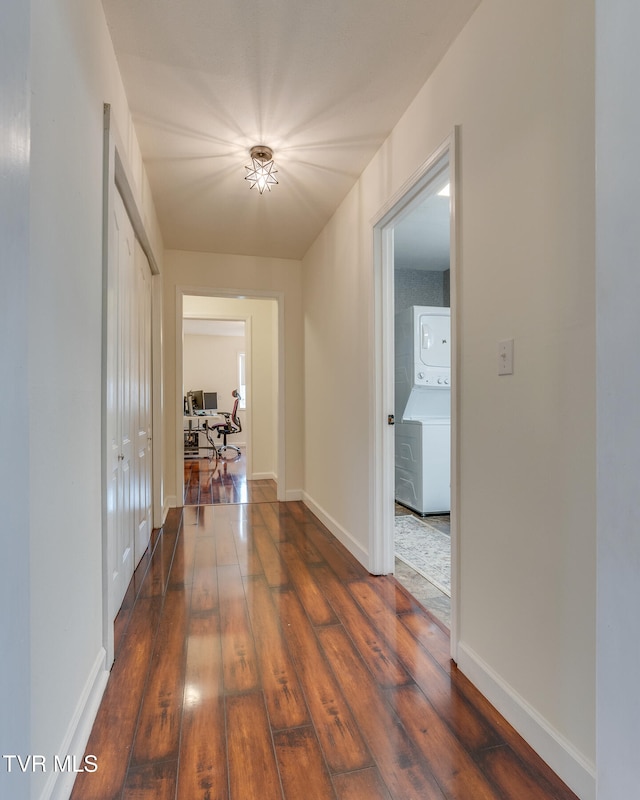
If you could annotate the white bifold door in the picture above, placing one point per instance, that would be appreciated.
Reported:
(141, 401)
(128, 405)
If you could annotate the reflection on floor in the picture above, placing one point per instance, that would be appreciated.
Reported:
(226, 483)
(256, 659)
(425, 592)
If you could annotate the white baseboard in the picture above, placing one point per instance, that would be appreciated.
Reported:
(568, 763)
(60, 784)
(342, 535)
(170, 501)
(291, 495)
(263, 476)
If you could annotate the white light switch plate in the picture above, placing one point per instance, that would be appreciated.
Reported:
(505, 357)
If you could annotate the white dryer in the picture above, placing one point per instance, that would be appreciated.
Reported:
(423, 409)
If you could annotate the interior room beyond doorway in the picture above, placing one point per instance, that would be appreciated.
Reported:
(422, 345)
(232, 344)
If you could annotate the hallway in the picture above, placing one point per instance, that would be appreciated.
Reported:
(255, 658)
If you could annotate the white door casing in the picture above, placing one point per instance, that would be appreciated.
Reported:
(280, 413)
(382, 438)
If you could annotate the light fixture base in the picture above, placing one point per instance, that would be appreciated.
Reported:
(261, 152)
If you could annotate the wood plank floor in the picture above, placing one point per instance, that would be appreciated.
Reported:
(207, 483)
(257, 659)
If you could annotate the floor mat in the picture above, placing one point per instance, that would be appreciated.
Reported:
(424, 549)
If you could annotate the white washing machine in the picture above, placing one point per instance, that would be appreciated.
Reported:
(423, 409)
(423, 465)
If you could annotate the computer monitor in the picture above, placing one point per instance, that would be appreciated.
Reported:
(210, 400)
(197, 397)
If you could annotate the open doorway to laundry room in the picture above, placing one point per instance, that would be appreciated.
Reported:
(228, 346)
(422, 352)
(415, 257)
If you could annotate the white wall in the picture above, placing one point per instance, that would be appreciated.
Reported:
(14, 465)
(73, 72)
(210, 363)
(243, 276)
(519, 81)
(618, 325)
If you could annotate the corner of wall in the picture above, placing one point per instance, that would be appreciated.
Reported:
(341, 534)
(570, 765)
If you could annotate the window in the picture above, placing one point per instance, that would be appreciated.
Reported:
(242, 383)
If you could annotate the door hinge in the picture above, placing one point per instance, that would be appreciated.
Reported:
(391, 420)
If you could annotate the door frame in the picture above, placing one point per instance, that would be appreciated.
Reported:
(117, 177)
(229, 294)
(383, 390)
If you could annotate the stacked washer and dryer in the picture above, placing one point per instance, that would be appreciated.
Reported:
(423, 409)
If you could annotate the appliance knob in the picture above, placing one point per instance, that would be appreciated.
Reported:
(446, 380)
(439, 380)
(421, 375)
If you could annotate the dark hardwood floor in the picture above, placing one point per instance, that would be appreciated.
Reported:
(257, 659)
(206, 483)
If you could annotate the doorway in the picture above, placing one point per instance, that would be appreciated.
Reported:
(422, 368)
(415, 269)
(252, 361)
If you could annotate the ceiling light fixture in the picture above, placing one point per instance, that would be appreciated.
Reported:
(261, 172)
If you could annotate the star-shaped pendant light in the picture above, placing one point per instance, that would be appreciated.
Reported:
(261, 172)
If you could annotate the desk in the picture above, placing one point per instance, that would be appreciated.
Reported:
(195, 437)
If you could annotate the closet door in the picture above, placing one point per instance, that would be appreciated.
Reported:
(120, 419)
(142, 403)
(128, 405)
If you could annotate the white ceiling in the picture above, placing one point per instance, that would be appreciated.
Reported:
(321, 83)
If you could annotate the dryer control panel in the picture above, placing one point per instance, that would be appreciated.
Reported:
(426, 377)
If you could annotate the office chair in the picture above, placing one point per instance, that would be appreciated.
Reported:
(230, 425)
